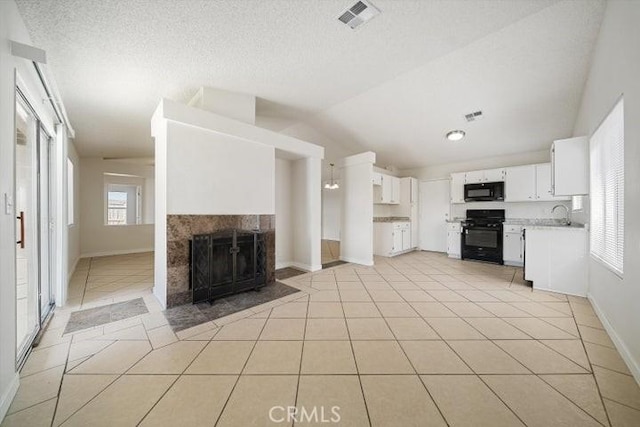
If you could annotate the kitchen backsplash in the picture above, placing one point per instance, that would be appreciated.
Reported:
(532, 210)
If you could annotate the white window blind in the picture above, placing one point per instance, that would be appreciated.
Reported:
(607, 190)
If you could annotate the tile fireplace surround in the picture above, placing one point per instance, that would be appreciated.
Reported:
(180, 228)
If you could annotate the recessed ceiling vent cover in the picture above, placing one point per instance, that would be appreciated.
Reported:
(358, 14)
(471, 117)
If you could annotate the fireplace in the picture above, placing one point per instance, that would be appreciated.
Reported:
(227, 262)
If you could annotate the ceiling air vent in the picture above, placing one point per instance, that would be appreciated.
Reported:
(476, 115)
(358, 14)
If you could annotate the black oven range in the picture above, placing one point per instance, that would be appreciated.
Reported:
(482, 235)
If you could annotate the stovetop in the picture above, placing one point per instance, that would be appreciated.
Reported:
(484, 217)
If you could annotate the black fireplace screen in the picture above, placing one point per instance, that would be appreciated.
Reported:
(227, 262)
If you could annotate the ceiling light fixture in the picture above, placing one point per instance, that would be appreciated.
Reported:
(331, 185)
(455, 135)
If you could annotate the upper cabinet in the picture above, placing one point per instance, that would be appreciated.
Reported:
(543, 182)
(520, 184)
(489, 175)
(387, 191)
(570, 166)
(457, 187)
(544, 189)
(377, 178)
(529, 183)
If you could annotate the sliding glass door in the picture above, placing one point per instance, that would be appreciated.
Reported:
(34, 295)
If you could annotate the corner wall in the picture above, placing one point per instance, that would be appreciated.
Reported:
(614, 71)
(73, 231)
(284, 214)
(356, 173)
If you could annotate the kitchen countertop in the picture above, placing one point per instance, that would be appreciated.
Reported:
(391, 219)
(573, 226)
(541, 223)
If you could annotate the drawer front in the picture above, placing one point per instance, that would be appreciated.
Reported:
(513, 228)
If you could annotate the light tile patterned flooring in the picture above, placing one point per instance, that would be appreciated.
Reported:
(419, 340)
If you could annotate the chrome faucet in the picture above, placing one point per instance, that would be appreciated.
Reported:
(567, 219)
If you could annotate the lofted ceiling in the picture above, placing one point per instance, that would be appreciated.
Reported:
(394, 86)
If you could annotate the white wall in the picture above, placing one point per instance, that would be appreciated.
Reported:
(96, 238)
(148, 200)
(73, 239)
(614, 71)
(284, 215)
(331, 212)
(356, 173)
(306, 206)
(214, 174)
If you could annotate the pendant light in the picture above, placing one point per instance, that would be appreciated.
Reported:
(332, 185)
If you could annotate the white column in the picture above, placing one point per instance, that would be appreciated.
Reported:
(356, 239)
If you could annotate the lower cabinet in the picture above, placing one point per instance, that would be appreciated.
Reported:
(513, 245)
(454, 249)
(556, 259)
(391, 238)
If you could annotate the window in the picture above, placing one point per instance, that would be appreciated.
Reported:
(123, 204)
(607, 190)
(70, 193)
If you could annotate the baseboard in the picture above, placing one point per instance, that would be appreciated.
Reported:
(8, 396)
(283, 264)
(158, 298)
(118, 252)
(305, 267)
(72, 269)
(632, 364)
(357, 261)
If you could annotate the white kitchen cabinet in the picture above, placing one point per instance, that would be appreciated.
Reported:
(513, 245)
(457, 187)
(544, 191)
(454, 239)
(487, 175)
(408, 206)
(395, 190)
(391, 238)
(570, 166)
(556, 259)
(388, 193)
(474, 177)
(377, 178)
(520, 184)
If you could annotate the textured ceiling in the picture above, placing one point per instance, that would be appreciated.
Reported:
(527, 78)
(395, 85)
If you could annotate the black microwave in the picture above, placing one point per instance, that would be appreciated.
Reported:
(484, 192)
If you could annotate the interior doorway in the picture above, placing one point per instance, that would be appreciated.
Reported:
(434, 212)
(34, 230)
(331, 215)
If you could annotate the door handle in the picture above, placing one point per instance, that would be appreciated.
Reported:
(21, 241)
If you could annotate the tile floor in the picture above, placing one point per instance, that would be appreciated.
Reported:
(418, 340)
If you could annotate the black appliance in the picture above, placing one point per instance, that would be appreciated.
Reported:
(484, 192)
(482, 235)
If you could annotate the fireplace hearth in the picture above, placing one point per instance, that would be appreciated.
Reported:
(227, 262)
